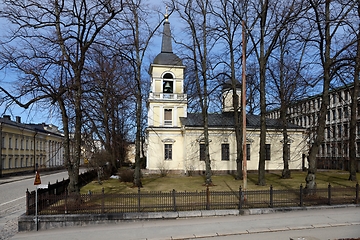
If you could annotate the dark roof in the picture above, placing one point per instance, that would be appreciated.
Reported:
(167, 57)
(227, 120)
(30, 126)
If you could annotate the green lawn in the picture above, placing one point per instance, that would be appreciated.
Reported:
(221, 182)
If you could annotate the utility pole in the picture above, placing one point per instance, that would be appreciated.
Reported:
(243, 102)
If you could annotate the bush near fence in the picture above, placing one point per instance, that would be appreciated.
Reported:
(101, 203)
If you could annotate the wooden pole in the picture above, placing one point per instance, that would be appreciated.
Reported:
(243, 102)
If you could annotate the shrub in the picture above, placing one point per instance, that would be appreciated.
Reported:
(126, 175)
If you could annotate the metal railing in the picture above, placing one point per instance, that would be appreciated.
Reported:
(102, 203)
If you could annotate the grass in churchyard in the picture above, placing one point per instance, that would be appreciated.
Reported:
(222, 182)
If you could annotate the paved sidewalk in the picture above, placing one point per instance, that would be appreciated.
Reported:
(336, 223)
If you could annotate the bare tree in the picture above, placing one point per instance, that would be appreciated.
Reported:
(196, 14)
(354, 102)
(108, 104)
(137, 30)
(285, 68)
(228, 24)
(327, 20)
(274, 18)
(48, 46)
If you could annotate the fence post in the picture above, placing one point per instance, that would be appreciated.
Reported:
(66, 196)
(102, 201)
(271, 197)
(207, 198)
(174, 199)
(357, 194)
(240, 198)
(301, 196)
(27, 201)
(138, 199)
(329, 194)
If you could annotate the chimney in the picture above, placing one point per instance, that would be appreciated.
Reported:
(18, 119)
(7, 117)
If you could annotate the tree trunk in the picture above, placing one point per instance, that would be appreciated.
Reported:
(320, 131)
(353, 116)
(262, 63)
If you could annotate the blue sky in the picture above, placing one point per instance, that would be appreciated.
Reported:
(36, 114)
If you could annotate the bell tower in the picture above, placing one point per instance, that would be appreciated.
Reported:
(167, 101)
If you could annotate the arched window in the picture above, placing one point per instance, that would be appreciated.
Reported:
(168, 84)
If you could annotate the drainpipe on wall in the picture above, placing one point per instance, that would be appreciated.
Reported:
(35, 167)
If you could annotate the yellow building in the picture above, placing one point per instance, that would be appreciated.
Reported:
(27, 147)
(175, 137)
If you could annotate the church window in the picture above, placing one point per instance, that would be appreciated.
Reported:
(202, 152)
(267, 152)
(168, 151)
(248, 152)
(225, 154)
(168, 117)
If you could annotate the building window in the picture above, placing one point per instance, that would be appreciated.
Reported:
(346, 130)
(328, 135)
(340, 113)
(247, 152)
(22, 144)
(345, 149)
(168, 117)
(225, 154)
(346, 112)
(27, 144)
(267, 152)
(334, 131)
(16, 143)
(10, 142)
(202, 152)
(328, 116)
(358, 148)
(334, 114)
(3, 142)
(9, 163)
(168, 151)
(340, 133)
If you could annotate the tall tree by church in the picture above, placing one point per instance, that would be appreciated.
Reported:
(274, 18)
(196, 15)
(228, 17)
(136, 31)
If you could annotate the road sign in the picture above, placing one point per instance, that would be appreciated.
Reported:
(37, 180)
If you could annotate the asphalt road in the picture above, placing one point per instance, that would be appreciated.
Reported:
(331, 223)
(12, 198)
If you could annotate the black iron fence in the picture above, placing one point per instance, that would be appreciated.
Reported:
(101, 203)
(47, 196)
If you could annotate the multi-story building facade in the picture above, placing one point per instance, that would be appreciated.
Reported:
(27, 147)
(334, 151)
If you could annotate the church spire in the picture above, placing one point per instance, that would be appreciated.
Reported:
(166, 56)
(166, 46)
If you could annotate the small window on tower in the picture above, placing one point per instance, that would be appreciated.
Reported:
(168, 117)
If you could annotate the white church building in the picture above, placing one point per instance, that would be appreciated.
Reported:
(175, 137)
